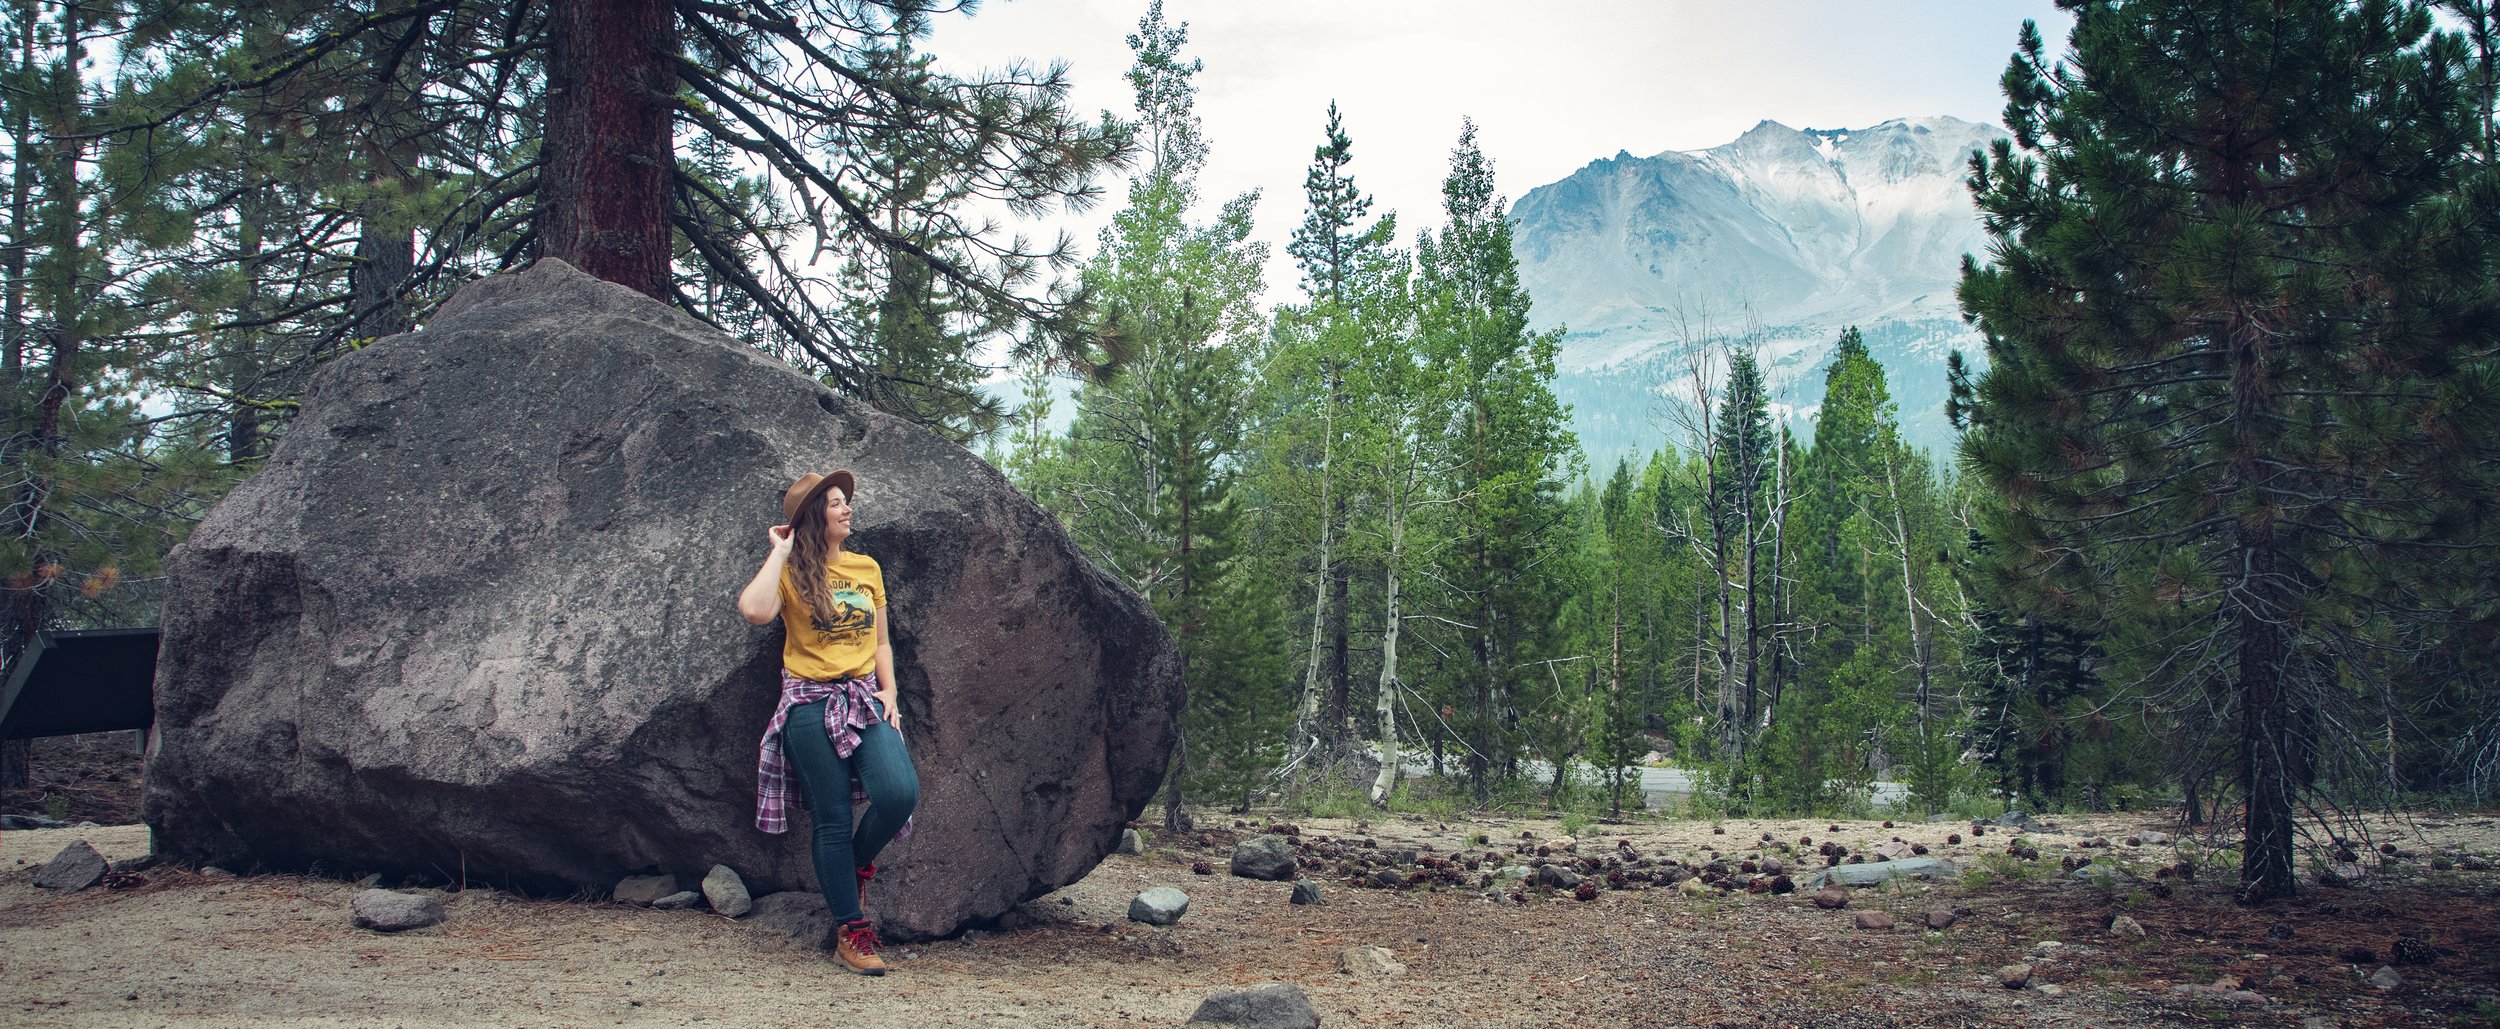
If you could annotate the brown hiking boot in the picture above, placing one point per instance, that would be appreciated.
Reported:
(856, 944)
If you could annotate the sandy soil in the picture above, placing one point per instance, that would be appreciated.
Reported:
(187, 949)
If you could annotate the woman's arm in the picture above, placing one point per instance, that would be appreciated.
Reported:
(885, 674)
(760, 602)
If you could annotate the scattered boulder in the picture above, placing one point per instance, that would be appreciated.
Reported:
(799, 916)
(1560, 877)
(1942, 918)
(1306, 892)
(2014, 976)
(75, 868)
(678, 901)
(2126, 928)
(396, 600)
(2151, 838)
(2014, 820)
(726, 892)
(1268, 857)
(1875, 920)
(1892, 851)
(2386, 978)
(1693, 888)
(1131, 842)
(1369, 963)
(390, 911)
(1831, 898)
(1161, 905)
(644, 890)
(1279, 1006)
(1385, 878)
(1869, 875)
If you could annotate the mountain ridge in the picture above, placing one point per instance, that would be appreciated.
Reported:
(1779, 239)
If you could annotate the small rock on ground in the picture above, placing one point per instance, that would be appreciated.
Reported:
(644, 889)
(75, 868)
(1831, 898)
(2014, 977)
(1369, 963)
(1306, 892)
(390, 911)
(1942, 918)
(678, 901)
(1279, 1006)
(1876, 920)
(1269, 857)
(1557, 876)
(2126, 928)
(2385, 978)
(1131, 842)
(1161, 905)
(726, 892)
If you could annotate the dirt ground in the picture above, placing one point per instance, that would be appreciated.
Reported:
(185, 948)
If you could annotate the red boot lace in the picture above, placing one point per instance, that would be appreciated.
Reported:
(863, 939)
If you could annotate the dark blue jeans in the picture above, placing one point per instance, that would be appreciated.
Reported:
(884, 772)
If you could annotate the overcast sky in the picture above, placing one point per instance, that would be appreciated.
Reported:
(1552, 85)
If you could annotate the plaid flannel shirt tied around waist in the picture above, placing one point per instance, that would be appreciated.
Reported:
(848, 709)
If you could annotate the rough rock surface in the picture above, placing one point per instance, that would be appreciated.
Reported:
(75, 868)
(1870, 874)
(1370, 963)
(1160, 905)
(726, 892)
(1266, 857)
(477, 611)
(1279, 1006)
(799, 916)
(1306, 892)
(644, 890)
(390, 911)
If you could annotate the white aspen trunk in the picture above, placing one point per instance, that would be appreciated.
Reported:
(1388, 778)
(1308, 717)
(1909, 596)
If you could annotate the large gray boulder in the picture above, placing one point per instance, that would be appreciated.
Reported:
(478, 613)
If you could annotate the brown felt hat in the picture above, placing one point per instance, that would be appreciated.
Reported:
(808, 486)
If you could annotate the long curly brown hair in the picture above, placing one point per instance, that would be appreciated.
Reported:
(811, 553)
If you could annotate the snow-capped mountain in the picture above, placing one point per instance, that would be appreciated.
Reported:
(1783, 237)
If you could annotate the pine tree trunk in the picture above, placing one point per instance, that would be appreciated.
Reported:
(2268, 742)
(21, 213)
(603, 192)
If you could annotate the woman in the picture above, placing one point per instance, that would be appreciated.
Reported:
(837, 719)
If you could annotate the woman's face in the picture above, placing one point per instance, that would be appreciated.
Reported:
(837, 514)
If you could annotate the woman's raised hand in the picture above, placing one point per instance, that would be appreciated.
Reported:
(781, 539)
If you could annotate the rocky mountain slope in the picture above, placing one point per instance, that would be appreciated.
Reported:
(1779, 239)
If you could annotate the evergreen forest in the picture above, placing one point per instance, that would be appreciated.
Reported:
(2220, 534)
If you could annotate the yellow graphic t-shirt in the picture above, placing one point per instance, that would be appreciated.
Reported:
(846, 647)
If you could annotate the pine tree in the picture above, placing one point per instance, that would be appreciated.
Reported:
(1146, 477)
(1510, 452)
(1354, 283)
(2241, 380)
